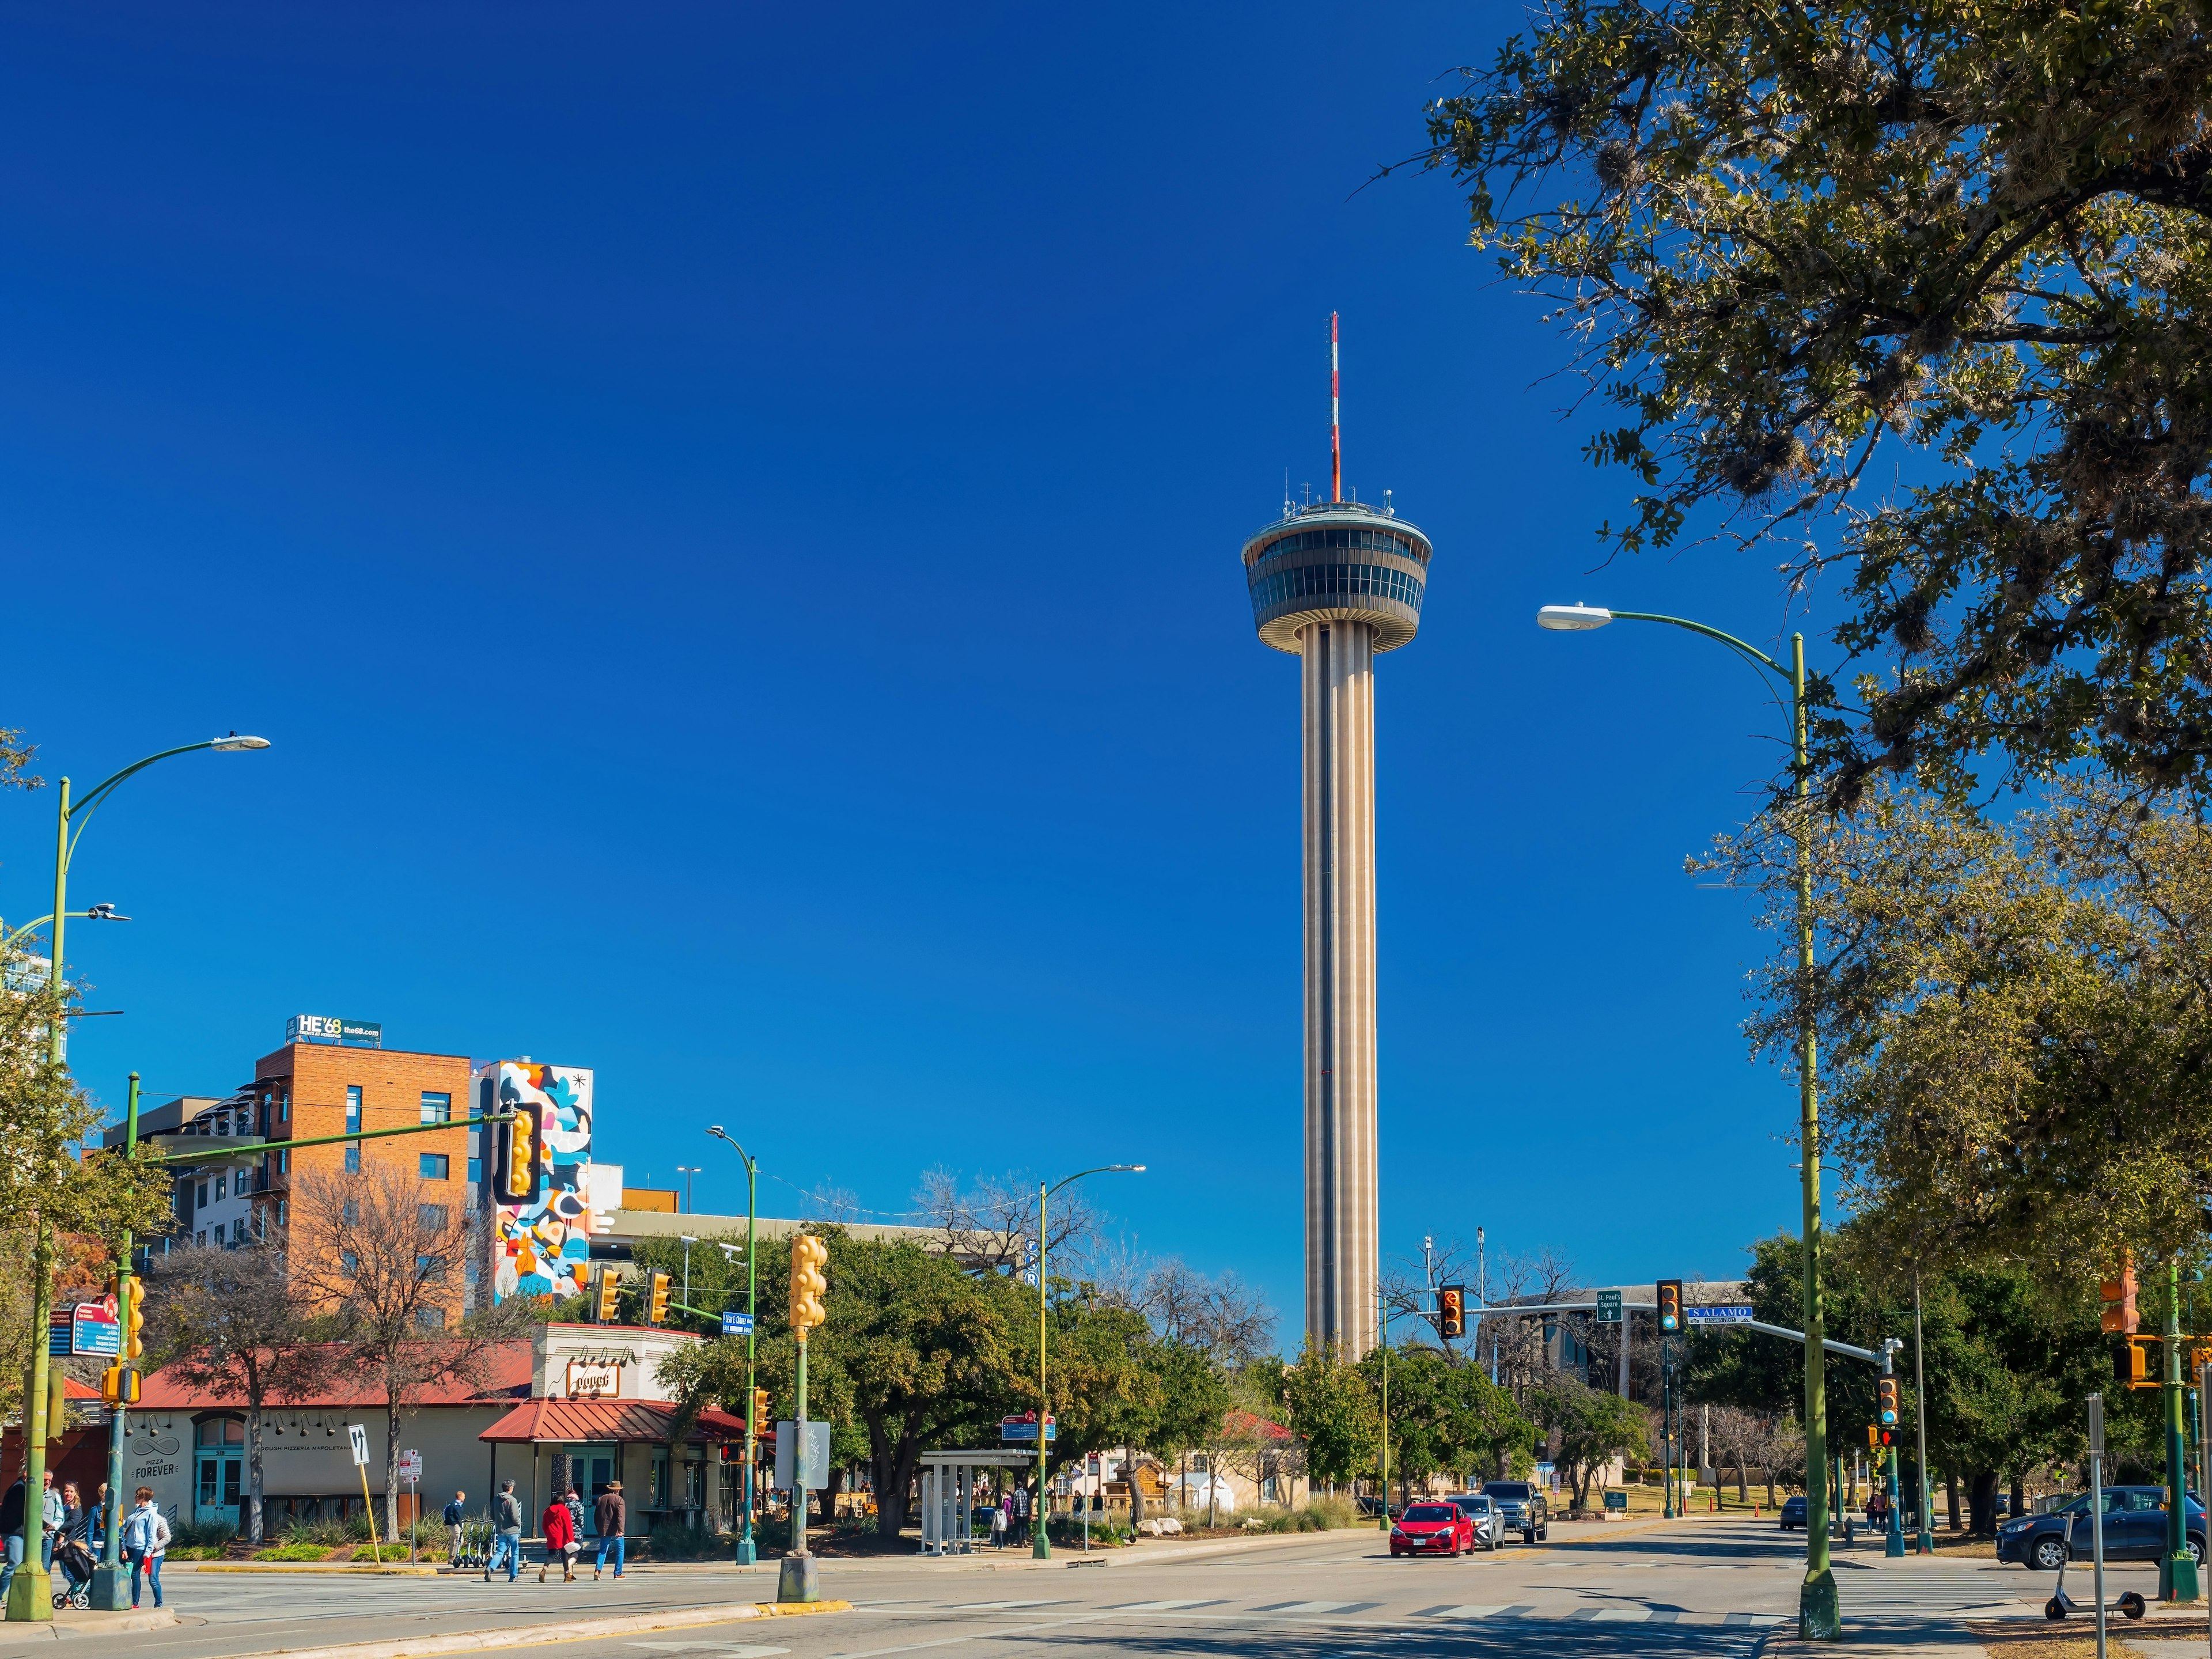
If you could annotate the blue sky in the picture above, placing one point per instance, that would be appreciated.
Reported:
(730, 519)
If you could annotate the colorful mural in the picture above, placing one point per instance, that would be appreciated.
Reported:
(541, 1239)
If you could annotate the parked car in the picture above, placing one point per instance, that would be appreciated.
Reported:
(1432, 1529)
(2135, 1530)
(1793, 1513)
(1483, 1516)
(1522, 1504)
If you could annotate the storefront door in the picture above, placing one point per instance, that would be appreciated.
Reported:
(219, 1458)
(595, 1471)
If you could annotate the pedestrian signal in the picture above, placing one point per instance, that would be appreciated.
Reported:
(656, 1312)
(2131, 1362)
(1889, 1436)
(119, 1385)
(762, 1426)
(521, 1155)
(1670, 1304)
(808, 1284)
(2119, 1297)
(609, 1300)
(1885, 1393)
(1451, 1311)
(1873, 1437)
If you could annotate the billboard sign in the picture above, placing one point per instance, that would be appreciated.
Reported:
(330, 1029)
(541, 1236)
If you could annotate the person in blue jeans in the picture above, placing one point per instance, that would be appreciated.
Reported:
(612, 1516)
(506, 1518)
(145, 1540)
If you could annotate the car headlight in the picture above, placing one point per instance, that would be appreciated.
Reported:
(1397, 1531)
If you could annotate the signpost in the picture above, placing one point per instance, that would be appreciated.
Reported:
(736, 1324)
(1090, 1487)
(1608, 1307)
(410, 1471)
(357, 1435)
(1719, 1314)
(1616, 1500)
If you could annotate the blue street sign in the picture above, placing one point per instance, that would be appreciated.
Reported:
(1719, 1314)
(1025, 1428)
(736, 1324)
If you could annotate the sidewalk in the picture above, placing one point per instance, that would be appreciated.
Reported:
(570, 1630)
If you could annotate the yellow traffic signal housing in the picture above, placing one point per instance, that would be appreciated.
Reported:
(762, 1427)
(119, 1385)
(809, 1283)
(521, 1154)
(1873, 1437)
(1886, 1399)
(134, 1321)
(1451, 1311)
(610, 1303)
(2119, 1298)
(1670, 1304)
(2131, 1365)
(657, 1313)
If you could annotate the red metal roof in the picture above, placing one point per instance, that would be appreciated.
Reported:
(505, 1375)
(627, 1420)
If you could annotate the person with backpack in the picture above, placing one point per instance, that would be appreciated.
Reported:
(506, 1518)
(612, 1516)
(456, 1515)
(998, 1526)
(145, 1540)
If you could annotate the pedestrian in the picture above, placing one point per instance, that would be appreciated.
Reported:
(560, 1540)
(145, 1540)
(1022, 1512)
(575, 1515)
(998, 1527)
(11, 1528)
(613, 1516)
(507, 1520)
(455, 1514)
(51, 1515)
(95, 1520)
(72, 1510)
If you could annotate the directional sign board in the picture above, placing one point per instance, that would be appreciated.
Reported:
(94, 1328)
(1025, 1428)
(410, 1465)
(358, 1434)
(736, 1324)
(1608, 1307)
(1719, 1314)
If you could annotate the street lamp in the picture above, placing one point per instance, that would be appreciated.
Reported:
(747, 1554)
(1818, 1617)
(1041, 1545)
(30, 1593)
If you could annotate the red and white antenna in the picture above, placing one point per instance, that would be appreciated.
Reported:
(1335, 442)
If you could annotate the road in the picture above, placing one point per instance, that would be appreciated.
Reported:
(1701, 1587)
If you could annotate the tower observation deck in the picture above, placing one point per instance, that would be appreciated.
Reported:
(1334, 583)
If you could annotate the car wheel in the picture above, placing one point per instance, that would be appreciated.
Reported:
(2048, 1555)
(1543, 1535)
(1529, 1536)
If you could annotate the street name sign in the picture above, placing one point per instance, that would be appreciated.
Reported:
(1608, 1307)
(1719, 1313)
(736, 1324)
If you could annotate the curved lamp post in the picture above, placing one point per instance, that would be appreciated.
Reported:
(747, 1554)
(1041, 1544)
(30, 1593)
(1818, 1617)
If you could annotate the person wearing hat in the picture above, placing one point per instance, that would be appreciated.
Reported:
(613, 1516)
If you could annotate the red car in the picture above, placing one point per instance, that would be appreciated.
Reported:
(1433, 1529)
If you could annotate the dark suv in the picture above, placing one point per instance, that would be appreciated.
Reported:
(1522, 1503)
(2135, 1530)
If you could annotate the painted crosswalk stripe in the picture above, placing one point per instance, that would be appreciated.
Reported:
(1161, 1606)
(1003, 1607)
(1318, 1607)
(1461, 1612)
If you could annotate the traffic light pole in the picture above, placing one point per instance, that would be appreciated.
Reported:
(1893, 1543)
(110, 1582)
(2177, 1573)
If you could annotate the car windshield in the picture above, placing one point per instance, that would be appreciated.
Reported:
(1475, 1505)
(1507, 1488)
(1433, 1512)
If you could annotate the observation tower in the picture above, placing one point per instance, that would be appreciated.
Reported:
(1334, 583)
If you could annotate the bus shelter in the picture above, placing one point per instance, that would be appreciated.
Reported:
(948, 1484)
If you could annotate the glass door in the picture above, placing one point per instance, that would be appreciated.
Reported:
(219, 1452)
(595, 1472)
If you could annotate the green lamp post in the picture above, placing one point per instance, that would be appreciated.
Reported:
(30, 1593)
(1041, 1542)
(747, 1552)
(1819, 1617)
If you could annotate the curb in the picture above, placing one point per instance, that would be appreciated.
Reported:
(82, 1624)
(575, 1629)
(367, 1569)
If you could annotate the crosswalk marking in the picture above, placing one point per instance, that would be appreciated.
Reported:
(1161, 1606)
(1003, 1607)
(1307, 1607)
(1460, 1612)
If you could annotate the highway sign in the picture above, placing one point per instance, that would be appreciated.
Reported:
(1608, 1307)
(1719, 1314)
(736, 1324)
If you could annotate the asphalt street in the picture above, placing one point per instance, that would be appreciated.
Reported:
(1702, 1587)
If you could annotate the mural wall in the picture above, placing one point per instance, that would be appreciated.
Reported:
(541, 1236)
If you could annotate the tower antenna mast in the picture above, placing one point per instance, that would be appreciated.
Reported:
(1335, 444)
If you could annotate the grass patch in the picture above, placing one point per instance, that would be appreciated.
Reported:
(294, 1552)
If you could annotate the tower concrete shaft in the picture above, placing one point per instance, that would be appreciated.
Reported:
(1338, 709)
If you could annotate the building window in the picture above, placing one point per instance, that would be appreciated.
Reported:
(430, 1217)
(437, 1109)
(434, 1166)
(353, 1158)
(350, 1212)
(349, 1261)
(283, 1213)
(203, 1196)
(219, 1182)
(238, 1231)
(476, 1170)
(199, 1238)
(429, 1318)
(353, 1109)
(470, 1273)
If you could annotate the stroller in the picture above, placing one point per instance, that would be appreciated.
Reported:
(73, 1563)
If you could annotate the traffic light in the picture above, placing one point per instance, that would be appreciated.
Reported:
(808, 1284)
(762, 1427)
(133, 1323)
(1451, 1311)
(1889, 1436)
(657, 1313)
(1873, 1437)
(1670, 1304)
(521, 1155)
(1885, 1395)
(119, 1385)
(610, 1297)
(2119, 1294)
(2131, 1362)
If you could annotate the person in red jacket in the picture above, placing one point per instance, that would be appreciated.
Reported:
(560, 1542)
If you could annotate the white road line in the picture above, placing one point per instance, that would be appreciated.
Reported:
(1160, 1607)
(1468, 1612)
(1304, 1606)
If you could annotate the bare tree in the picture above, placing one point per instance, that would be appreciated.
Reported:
(382, 1259)
(234, 1320)
(993, 1223)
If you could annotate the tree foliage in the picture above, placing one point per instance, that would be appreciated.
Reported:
(1782, 239)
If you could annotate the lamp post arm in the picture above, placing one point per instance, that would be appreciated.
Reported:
(1743, 648)
(82, 808)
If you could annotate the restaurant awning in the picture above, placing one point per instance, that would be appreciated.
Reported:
(628, 1421)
